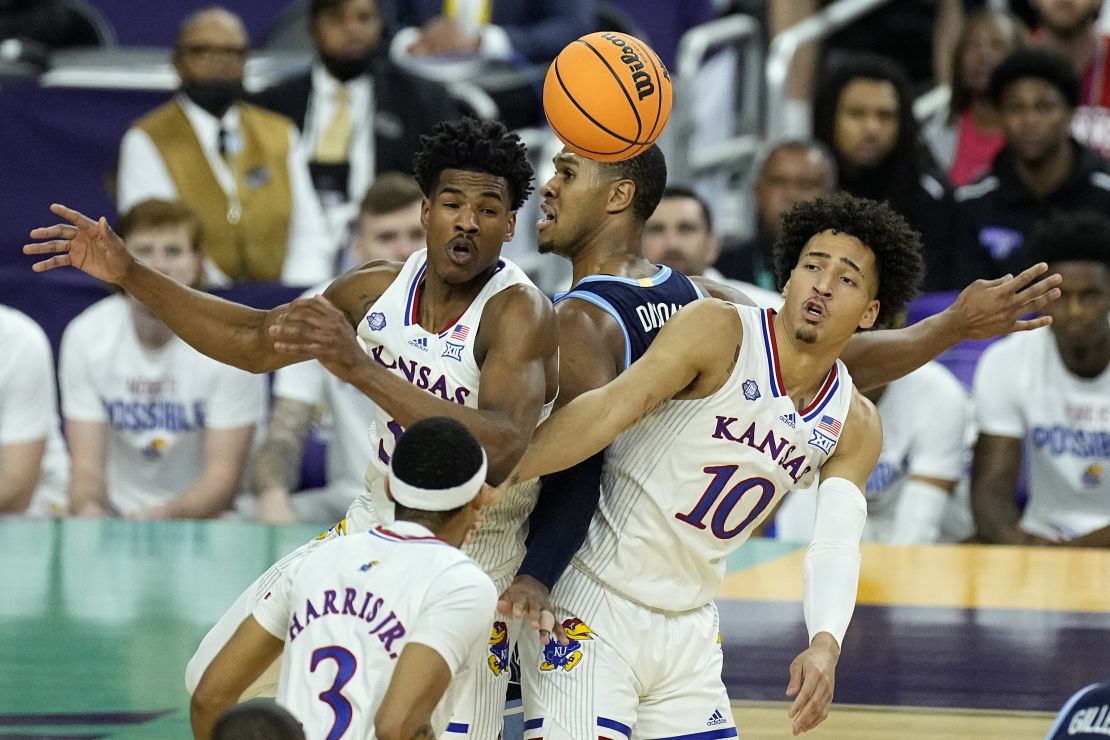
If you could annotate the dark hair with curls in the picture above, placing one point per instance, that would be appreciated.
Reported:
(896, 246)
(648, 170)
(1041, 64)
(1071, 236)
(477, 146)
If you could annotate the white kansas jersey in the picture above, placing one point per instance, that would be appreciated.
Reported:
(685, 486)
(348, 610)
(1022, 389)
(443, 364)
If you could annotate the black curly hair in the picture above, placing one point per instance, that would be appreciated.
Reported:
(896, 246)
(1042, 64)
(477, 146)
(1071, 236)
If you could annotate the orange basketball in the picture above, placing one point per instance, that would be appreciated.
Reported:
(607, 96)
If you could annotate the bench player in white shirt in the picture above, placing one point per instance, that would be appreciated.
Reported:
(454, 331)
(1047, 395)
(730, 407)
(371, 627)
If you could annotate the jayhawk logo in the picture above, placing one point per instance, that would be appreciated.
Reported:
(155, 449)
(566, 656)
(498, 658)
(1092, 476)
(339, 530)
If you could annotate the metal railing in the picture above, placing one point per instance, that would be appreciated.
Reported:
(691, 158)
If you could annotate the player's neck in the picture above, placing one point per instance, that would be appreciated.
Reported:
(613, 254)
(803, 365)
(440, 303)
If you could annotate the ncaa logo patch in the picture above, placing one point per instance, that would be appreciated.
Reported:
(570, 655)
(498, 659)
(376, 321)
(751, 390)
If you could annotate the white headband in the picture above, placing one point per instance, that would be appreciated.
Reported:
(437, 499)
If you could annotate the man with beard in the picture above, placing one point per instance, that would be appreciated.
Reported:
(238, 166)
(1041, 170)
(359, 113)
(1070, 27)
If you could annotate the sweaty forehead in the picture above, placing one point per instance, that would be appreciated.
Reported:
(839, 245)
(473, 183)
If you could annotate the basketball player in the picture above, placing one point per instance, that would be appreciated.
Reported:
(409, 607)
(454, 331)
(594, 215)
(728, 409)
(257, 720)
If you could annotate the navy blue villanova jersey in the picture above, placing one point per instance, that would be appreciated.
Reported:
(640, 306)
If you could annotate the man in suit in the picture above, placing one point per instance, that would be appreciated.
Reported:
(358, 112)
(241, 168)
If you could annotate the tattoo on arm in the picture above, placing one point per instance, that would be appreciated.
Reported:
(277, 462)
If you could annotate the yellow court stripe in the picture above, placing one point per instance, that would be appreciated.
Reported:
(951, 576)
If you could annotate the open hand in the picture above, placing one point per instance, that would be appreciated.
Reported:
(314, 327)
(90, 246)
(812, 679)
(527, 597)
(990, 308)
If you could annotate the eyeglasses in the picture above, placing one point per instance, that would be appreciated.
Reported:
(236, 53)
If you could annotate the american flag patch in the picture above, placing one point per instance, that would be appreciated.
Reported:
(830, 425)
(460, 332)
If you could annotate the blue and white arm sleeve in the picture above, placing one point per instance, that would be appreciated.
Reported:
(832, 562)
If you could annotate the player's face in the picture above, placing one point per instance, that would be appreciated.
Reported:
(1067, 18)
(791, 175)
(212, 49)
(468, 220)
(349, 30)
(1079, 316)
(677, 236)
(866, 129)
(169, 250)
(390, 236)
(573, 204)
(1035, 119)
(831, 291)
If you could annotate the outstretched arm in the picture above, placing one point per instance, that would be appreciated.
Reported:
(984, 309)
(685, 355)
(832, 563)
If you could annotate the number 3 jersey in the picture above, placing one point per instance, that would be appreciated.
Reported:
(347, 611)
(444, 365)
(685, 486)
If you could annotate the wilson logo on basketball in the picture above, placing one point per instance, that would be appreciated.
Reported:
(640, 78)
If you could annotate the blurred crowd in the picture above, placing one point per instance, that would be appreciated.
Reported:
(309, 176)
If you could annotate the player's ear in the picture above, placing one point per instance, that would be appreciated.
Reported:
(425, 209)
(510, 227)
(621, 195)
(870, 315)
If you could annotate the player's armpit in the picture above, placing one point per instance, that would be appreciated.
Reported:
(418, 683)
(246, 655)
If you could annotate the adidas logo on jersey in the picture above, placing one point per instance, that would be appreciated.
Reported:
(716, 719)
(789, 419)
(420, 343)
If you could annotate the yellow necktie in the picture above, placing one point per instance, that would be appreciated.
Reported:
(333, 144)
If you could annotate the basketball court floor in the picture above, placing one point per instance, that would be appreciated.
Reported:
(98, 618)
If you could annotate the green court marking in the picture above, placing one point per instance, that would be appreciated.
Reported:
(758, 552)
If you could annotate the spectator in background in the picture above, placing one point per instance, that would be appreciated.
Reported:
(1051, 388)
(679, 234)
(238, 166)
(32, 455)
(358, 112)
(155, 429)
(1071, 28)
(663, 22)
(1040, 170)
(969, 138)
(389, 229)
(534, 32)
(793, 171)
(864, 113)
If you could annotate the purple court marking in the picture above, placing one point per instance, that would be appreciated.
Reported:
(79, 718)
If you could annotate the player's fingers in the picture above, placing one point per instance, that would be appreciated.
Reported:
(1028, 275)
(505, 605)
(803, 697)
(51, 247)
(57, 231)
(74, 217)
(795, 682)
(60, 261)
(813, 713)
(1036, 323)
(1035, 304)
